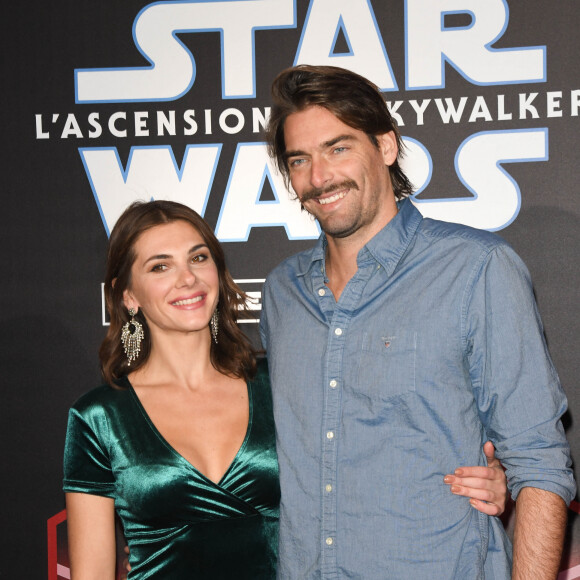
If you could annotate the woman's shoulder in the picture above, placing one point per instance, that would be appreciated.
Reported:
(103, 397)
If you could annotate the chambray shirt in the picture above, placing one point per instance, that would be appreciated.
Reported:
(434, 346)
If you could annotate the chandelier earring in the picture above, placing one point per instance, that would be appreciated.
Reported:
(131, 336)
(214, 325)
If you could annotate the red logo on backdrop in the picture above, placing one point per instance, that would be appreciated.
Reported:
(58, 561)
(58, 564)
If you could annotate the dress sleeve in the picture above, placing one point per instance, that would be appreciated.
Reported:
(87, 466)
(518, 393)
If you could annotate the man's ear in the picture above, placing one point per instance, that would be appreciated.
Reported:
(388, 147)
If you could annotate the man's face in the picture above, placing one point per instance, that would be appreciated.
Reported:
(338, 174)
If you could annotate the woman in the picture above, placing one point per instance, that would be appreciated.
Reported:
(183, 446)
(180, 441)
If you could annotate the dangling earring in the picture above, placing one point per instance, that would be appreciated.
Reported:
(214, 325)
(131, 337)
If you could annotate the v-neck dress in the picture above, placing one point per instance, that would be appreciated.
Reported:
(178, 523)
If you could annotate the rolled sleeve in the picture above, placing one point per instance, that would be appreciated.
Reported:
(518, 393)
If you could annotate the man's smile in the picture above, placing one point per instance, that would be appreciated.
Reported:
(332, 198)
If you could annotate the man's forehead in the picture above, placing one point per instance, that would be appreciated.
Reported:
(317, 125)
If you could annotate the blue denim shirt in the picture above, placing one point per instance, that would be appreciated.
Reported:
(434, 346)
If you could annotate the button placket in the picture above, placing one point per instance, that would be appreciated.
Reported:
(331, 418)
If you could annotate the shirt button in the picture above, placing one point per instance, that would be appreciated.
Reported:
(333, 384)
(330, 434)
(321, 292)
(329, 541)
(338, 331)
(328, 487)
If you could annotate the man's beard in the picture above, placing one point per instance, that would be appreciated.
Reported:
(343, 231)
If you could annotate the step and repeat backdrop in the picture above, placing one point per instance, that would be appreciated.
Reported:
(107, 102)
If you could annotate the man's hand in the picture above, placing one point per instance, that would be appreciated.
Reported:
(485, 486)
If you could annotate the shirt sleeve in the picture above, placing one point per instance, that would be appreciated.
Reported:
(518, 393)
(87, 466)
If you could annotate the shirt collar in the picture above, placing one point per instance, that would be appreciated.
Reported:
(387, 247)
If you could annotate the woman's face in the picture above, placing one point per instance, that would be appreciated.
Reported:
(174, 280)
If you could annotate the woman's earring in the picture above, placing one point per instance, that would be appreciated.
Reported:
(214, 325)
(131, 337)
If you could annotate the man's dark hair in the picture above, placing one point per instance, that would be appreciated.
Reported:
(350, 97)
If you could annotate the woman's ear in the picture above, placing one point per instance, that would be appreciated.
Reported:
(129, 300)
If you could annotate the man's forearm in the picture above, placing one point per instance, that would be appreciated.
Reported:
(538, 535)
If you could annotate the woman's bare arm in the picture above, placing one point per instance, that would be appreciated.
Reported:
(91, 536)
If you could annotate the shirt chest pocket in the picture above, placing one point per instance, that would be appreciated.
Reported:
(386, 364)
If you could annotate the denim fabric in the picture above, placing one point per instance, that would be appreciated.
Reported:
(434, 347)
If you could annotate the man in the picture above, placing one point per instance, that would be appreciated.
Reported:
(397, 346)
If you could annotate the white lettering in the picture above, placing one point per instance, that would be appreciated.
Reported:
(356, 19)
(141, 118)
(496, 197)
(527, 107)
(420, 109)
(191, 123)
(71, 127)
(152, 173)
(208, 121)
(553, 103)
(172, 66)
(242, 208)
(259, 119)
(480, 111)
(166, 123)
(96, 129)
(113, 124)
(501, 114)
(467, 49)
(575, 103)
(40, 134)
(393, 108)
(234, 128)
(448, 111)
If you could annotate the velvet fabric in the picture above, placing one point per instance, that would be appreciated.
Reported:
(178, 524)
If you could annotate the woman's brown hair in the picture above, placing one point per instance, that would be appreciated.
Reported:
(232, 355)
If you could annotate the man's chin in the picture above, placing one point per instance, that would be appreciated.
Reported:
(336, 229)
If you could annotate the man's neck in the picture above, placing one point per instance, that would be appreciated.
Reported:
(342, 254)
(341, 265)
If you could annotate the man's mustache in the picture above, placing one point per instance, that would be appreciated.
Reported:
(317, 192)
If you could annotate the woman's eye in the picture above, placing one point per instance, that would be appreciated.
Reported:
(159, 268)
(199, 258)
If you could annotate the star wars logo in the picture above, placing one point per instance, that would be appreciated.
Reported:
(460, 34)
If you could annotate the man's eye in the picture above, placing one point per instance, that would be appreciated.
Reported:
(296, 162)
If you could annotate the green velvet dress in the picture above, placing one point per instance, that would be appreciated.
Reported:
(179, 524)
